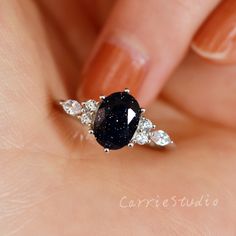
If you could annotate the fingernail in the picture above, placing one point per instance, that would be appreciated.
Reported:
(117, 64)
(216, 40)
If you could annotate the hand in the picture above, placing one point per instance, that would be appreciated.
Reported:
(56, 181)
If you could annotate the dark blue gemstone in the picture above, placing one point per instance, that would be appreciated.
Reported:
(116, 120)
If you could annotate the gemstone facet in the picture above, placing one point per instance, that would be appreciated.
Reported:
(90, 105)
(145, 124)
(141, 138)
(72, 107)
(116, 120)
(86, 119)
(161, 138)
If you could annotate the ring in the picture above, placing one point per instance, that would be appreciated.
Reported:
(116, 121)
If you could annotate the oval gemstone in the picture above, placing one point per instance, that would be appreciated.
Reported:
(116, 120)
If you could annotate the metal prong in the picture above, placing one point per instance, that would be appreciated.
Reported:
(102, 97)
(143, 110)
(149, 141)
(153, 126)
(106, 150)
(61, 102)
(131, 145)
(127, 90)
(91, 131)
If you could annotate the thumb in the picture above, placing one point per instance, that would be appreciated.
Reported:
(140, 46)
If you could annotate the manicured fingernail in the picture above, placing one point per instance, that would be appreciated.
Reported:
(216, 40)
(117, 64)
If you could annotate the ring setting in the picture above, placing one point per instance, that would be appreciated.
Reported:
(116, 121)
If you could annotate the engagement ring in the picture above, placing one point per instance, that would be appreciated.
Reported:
(117, 121)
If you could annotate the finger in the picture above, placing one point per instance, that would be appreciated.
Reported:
(98, 10)
(205, 91)
(140, 46)
(216, 40)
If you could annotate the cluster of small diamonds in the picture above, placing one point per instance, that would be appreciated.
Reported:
(142, 134)
(145, 134)
(84, 111)
(88, 112)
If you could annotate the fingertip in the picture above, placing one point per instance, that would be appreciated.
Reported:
(119, 62)
(216, 39)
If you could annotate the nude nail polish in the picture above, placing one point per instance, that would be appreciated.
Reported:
(216, 39)
(116, 65)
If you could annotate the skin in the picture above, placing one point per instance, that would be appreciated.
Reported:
(55, 180)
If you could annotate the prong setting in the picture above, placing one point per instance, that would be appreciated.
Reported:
(127, 90)
(106, 150)
(61, 102)
(102, 97)
(143, 110)
(131, 145)
(90, 131)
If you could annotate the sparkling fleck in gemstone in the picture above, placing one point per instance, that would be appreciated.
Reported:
(141, 138)
(116, 120)
(72, 107)
(90, 105)
(86, 119)
(160, 138)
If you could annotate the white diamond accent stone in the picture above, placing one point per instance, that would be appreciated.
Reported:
(160, 138)
(72, 107)
(141, 138)
(90, 105)
(86, 119)
(145, 124)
